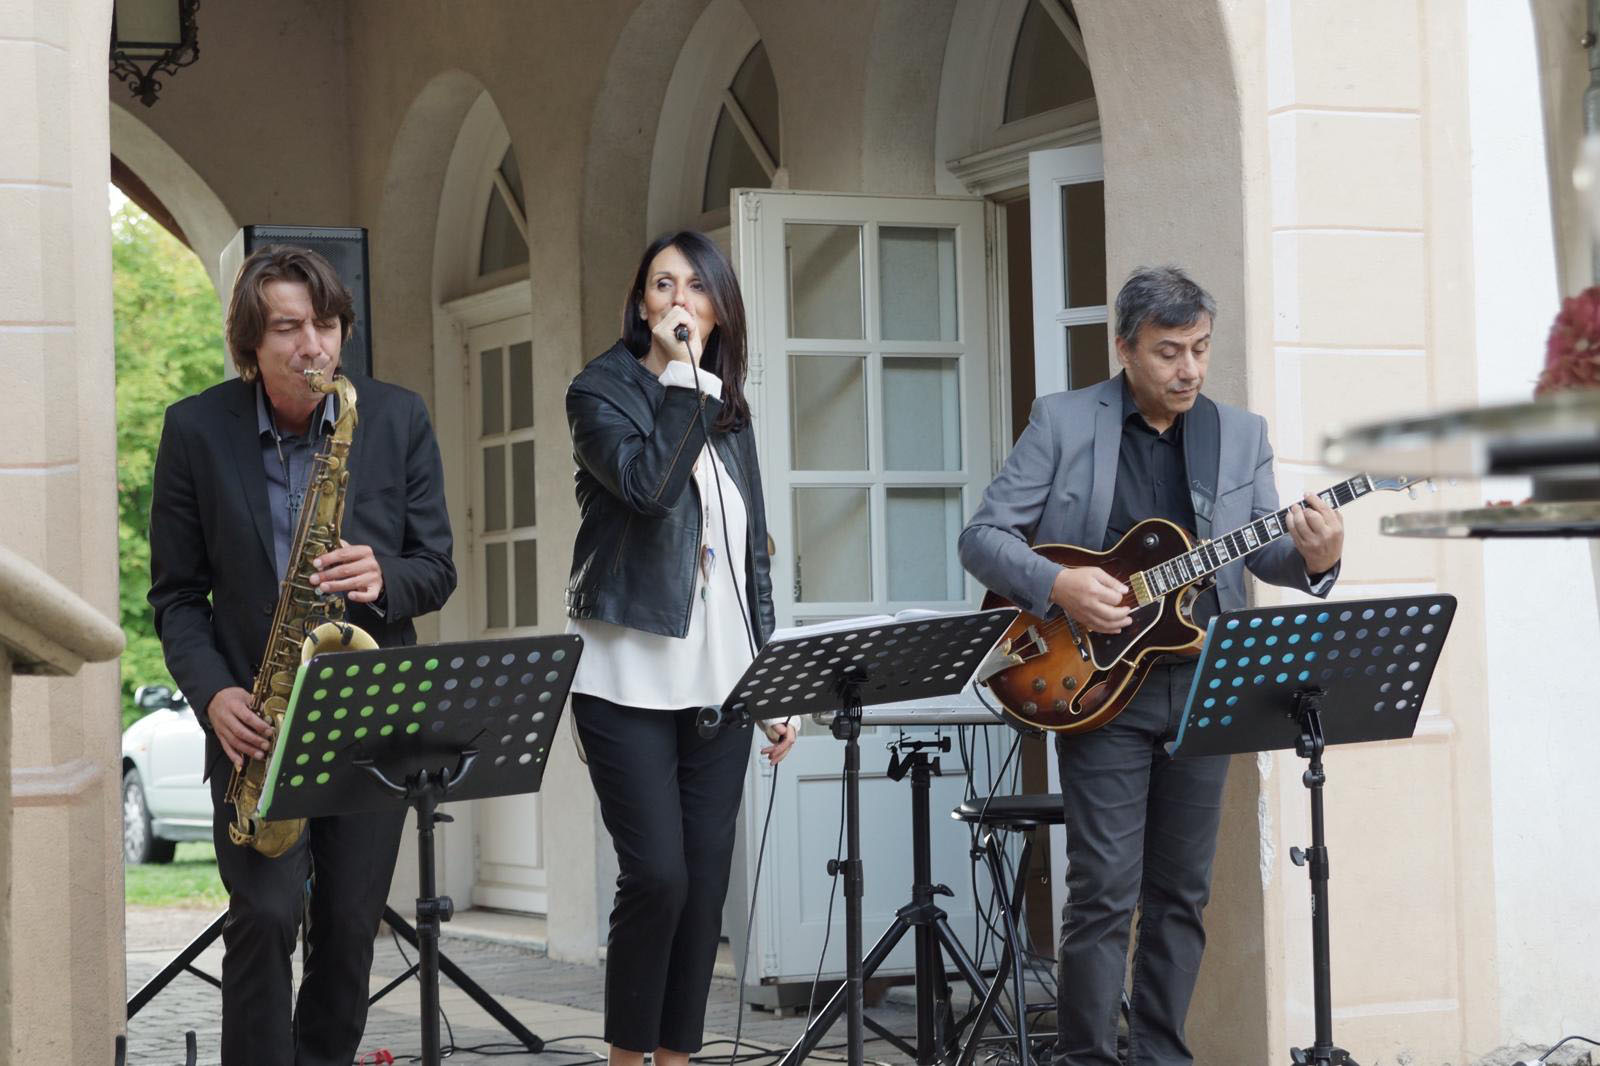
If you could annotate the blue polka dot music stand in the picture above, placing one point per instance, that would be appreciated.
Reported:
(1304, 676)
(418, 726)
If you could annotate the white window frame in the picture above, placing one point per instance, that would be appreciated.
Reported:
(1048, 172)
(982, 153)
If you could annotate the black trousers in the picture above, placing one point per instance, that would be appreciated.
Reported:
(670, 799)
(352, 857)
(1141, 832)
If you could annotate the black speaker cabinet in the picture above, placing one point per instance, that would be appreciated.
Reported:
(343, 246)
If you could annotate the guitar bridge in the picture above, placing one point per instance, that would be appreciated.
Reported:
(1013, 652)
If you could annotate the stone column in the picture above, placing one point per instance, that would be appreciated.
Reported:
(63, 929)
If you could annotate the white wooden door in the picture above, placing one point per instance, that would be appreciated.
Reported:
(869, 380)
(1071, 343)
(1066, 202)
(504, 590)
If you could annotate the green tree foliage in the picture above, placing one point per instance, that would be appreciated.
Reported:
(169, 345)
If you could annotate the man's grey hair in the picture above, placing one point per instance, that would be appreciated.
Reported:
(1165, 296)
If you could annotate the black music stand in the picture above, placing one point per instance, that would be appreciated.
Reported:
(920, 658)
(1304, 676)
(419, 726)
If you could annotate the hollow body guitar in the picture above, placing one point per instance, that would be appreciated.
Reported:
(1054, 673)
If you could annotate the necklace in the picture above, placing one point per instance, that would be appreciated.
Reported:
(708, 554)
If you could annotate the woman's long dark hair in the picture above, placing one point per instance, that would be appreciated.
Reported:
(725, 351)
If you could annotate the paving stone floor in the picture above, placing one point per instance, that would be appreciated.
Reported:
(560, 1002)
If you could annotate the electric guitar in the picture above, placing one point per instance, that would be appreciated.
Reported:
(1054, 673)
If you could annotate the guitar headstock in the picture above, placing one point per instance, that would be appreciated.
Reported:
(1402, 483)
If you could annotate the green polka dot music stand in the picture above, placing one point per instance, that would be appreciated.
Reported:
(1304, 676)
(418, 726)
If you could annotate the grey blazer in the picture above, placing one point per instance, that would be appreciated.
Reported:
(1056, 485)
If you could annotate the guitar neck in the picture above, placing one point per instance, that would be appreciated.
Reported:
(1212, 555)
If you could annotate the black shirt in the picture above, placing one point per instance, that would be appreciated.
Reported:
(1152, 482)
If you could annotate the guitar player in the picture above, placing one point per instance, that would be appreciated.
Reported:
(1141, 827)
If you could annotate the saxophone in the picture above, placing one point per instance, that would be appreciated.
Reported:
(306, 623)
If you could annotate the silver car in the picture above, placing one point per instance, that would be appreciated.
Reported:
(164, 800)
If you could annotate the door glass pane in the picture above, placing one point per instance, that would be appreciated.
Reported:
(917, 283)
(833, 535)
(824, 275)
(494, 488)
(828, 411)
(1088, 355)
(922, 524)
(527, 571)
(493, 418)
(521, 359)
(522, 482)
(921, 413)
(494, 585)
(1083, 243)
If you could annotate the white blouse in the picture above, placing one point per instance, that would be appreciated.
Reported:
(639, 669)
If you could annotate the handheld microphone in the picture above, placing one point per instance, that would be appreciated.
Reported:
(681, 332)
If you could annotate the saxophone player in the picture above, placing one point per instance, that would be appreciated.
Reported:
(230, 475)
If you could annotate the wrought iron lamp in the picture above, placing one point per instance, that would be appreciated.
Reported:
(151, 37)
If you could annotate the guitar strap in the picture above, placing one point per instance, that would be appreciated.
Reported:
(1202, 459)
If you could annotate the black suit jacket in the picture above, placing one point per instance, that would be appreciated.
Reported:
(213, 584)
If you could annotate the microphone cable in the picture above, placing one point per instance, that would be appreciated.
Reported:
(681, 332)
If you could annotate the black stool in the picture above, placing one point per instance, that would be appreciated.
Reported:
(1008, 814)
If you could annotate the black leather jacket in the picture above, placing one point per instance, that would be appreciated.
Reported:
(635, 442)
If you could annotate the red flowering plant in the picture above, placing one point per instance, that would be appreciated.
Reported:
(1572, 352)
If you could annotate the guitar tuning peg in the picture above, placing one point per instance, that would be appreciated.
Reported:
(1432, 485)
(1411, 490)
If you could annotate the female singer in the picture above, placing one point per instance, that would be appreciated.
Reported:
(672, 593)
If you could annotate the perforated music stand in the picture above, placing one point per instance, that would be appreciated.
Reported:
(1304, 677)
(920, 658)
(418, 726)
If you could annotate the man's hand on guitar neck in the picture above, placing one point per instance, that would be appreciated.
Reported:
(1091, 597)
(1318, 531)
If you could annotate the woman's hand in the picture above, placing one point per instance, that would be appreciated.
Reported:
(678, 315)
(782, 735)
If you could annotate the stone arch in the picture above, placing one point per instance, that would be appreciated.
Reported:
(205, 219)
(619, 157)
(1564, 75)
(900, 106)
(404, 297)
(1178, 71)
(1171, 82)
(704, 62)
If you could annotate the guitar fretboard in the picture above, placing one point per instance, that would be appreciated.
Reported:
(1212, 555)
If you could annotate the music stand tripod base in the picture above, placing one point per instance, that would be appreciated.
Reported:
(919, 658)
(1302, 677)
(418, 726)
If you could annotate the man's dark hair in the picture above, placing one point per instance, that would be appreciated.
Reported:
(724, 352)
(247, 310)
(1165, 296)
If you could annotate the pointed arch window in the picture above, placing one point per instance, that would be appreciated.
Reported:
(746, 149)
(505, 221)
(1049, 65)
